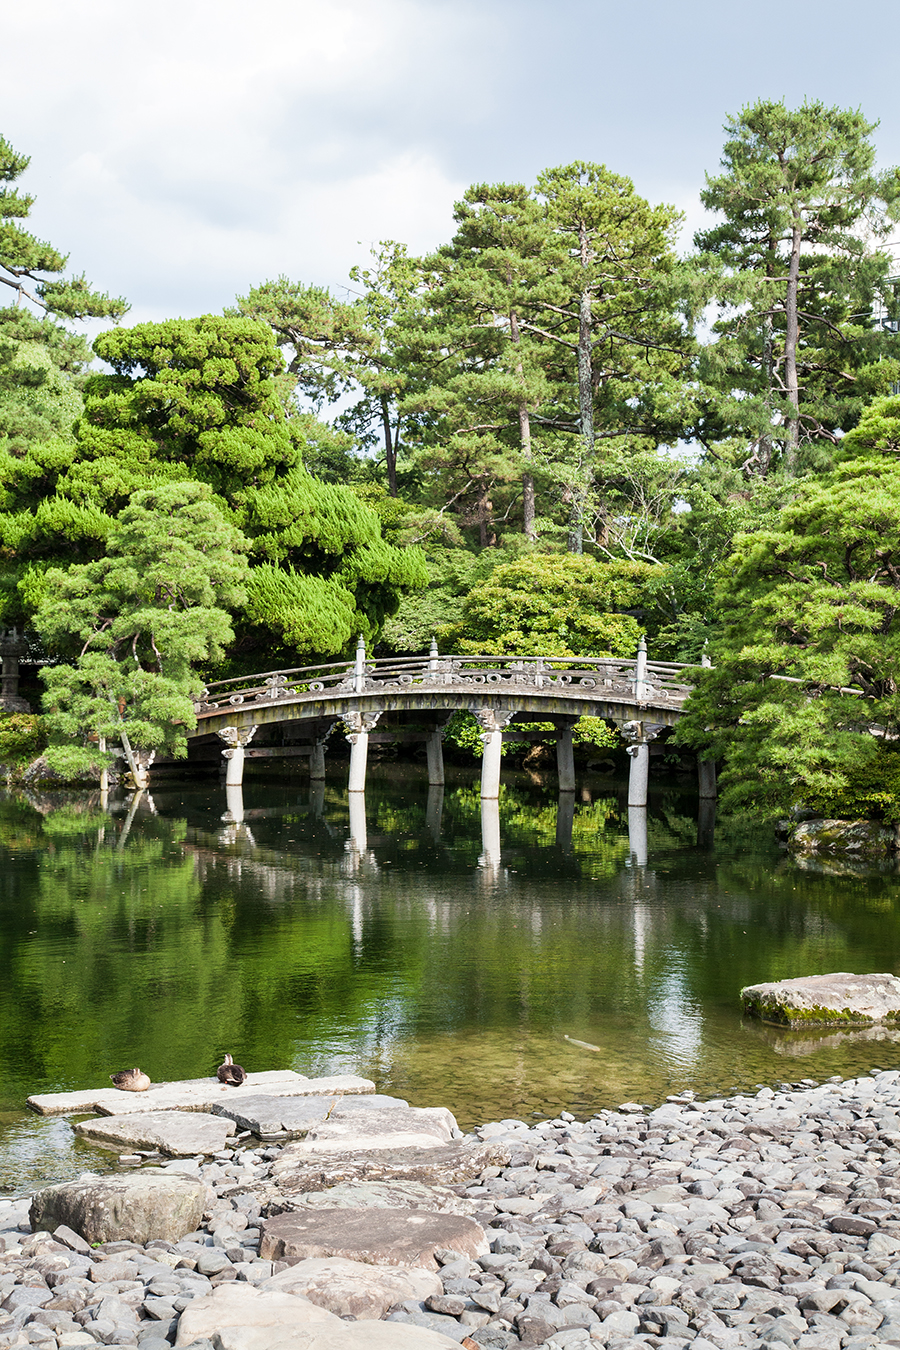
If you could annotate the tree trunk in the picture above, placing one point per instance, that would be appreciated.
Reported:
(790, 351)
(390, 449)
(585, 396)
(524, 438)
(487, 535)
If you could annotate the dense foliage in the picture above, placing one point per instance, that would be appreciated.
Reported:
(549, 436)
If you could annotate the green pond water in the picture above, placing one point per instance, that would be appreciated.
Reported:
(445, 957)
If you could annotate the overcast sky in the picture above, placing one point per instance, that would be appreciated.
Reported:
(187, 150)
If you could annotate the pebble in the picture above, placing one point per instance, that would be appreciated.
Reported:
(765, 1220)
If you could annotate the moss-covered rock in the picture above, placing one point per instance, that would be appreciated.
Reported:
(864, 838)
(841, 999)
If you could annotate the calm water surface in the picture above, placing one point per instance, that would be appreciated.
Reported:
(444, 957)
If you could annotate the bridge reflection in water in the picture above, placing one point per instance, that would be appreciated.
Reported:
(490, 860)
(641, 697)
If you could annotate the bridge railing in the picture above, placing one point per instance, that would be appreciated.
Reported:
(614, 677)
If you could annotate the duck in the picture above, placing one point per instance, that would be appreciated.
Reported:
(230, 1073)
(131, 1080)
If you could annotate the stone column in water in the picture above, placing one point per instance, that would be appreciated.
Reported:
(492, 721)
(236, 739)
(434, 748)
(565, 758)
(357, 727)
(317, 758)
(640, 734)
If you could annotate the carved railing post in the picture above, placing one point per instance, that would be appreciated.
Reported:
(641, 686)
(359, 669)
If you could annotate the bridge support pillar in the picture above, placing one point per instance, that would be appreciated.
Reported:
(640, 734)
(236, 740)
(565, 757)
(317, 758)
(357, 727)
(706, 773)
(434, 748)
(492, 723)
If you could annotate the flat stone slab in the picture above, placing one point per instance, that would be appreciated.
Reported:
(272, 1117)
(387, 1237)
(195, 1094)
(135, 1208)
(385, 1195)
(179, 1134)
(354, 1289)
(841, 999)
(236, 1316)
(242, 1305)
(388, 1127)
(297, 1170)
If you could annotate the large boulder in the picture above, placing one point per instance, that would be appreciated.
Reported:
(390, 1237)
(864, 838)
(353, 1288)
(134, 1208)
(841, 999)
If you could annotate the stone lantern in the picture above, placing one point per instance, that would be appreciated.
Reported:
(13, 646)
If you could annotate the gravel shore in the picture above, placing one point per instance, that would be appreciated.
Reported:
(735, 1222)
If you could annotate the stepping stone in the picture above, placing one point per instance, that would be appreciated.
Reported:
(272, 1117)
(195, 1094)
(388, 1237)
(298, 1170)
(825, 1000)
(386, 1195)
(388, 1127)
(354, 1289)
(135, 1208)
(180, 1134)
(240, 1317)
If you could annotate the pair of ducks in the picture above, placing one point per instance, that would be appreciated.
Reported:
(134, 1080)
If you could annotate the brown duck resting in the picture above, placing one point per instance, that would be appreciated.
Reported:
(230, 1073)
(131, 1080)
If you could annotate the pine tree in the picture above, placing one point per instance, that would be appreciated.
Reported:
(805, 669)
(137, 624)
(795, 270)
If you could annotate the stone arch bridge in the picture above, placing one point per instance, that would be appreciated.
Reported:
(641, 697)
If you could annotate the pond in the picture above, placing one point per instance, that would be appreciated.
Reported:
(454, 960)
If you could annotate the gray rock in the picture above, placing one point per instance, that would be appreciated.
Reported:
(390, 1127)
(822, 1000)
(133, 1207)
(297, 1171)
(373, 1236)
(862, 838)
(272, 1117)
(179, 1134)
(354, 1289)
(388, 1195)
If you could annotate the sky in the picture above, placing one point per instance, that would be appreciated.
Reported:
(186, 151)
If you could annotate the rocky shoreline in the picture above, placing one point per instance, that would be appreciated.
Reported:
(738, 1222)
